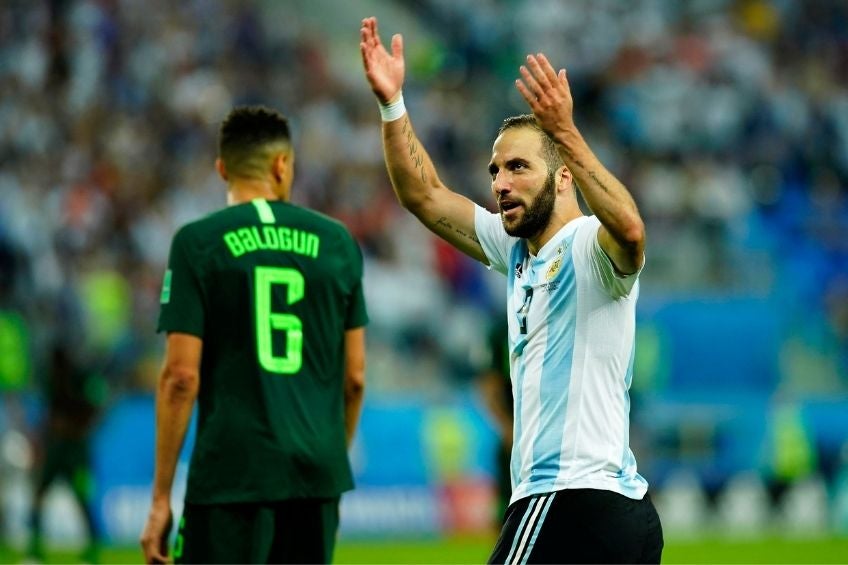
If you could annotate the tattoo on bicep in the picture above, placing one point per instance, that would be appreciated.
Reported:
(443, 222)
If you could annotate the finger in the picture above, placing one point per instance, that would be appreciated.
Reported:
(537, 72)
(531, 83)
(546, 67)
(363, 50)
(529, 97)
(157, 557)
(152, 553)
(563, 79)
(367, 32)
(374, 29)
(397, 46)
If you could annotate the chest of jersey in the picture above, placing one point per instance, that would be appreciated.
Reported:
(541, 296)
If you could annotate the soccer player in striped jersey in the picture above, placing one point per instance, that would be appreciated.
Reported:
(571, 296)
(263, 306)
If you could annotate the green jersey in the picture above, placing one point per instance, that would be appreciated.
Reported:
(270, 288)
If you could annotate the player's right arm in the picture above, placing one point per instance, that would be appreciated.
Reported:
(354, 381)
(414, 179)
(179, 382)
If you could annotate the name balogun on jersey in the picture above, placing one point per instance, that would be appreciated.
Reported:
(273, 238)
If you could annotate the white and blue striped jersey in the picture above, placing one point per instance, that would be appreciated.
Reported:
(571, 335)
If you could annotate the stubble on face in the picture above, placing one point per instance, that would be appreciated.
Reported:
(538, 215)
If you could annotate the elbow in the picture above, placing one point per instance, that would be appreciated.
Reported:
(633, 235)
(179, 382)
(415, 204)
(354, 387)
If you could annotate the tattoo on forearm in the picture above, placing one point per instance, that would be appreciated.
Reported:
(443, 222)
(412, 146)
(599, 182)
(592, 174)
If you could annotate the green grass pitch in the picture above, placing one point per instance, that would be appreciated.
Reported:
(476, 550)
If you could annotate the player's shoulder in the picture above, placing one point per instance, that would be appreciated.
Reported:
(587, 227)
(212, 220)
(317, 219)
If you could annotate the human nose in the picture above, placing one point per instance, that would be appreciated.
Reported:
(502, 183)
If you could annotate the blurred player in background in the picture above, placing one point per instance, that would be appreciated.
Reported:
(572, 290)
(74, 399)
(496, 390)
(263, 307)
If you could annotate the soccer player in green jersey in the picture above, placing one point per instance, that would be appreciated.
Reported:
(263, 307)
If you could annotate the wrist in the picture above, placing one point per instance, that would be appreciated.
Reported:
(393, 109)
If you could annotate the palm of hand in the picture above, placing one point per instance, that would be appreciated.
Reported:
(384, 70)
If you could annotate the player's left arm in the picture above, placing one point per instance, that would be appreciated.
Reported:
(179, 382)
(354, 379)
(622, 231)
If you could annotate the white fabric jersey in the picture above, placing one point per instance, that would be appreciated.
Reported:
(571, 337)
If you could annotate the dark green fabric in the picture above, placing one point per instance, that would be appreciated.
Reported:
(270, 426)
(293, 531)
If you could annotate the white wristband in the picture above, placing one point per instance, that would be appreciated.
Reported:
(391, 112)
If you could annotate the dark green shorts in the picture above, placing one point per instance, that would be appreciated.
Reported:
(289, 531)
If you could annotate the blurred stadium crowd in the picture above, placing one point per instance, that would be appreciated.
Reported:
(728, 120)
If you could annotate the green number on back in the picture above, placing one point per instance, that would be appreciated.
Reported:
(268, 321)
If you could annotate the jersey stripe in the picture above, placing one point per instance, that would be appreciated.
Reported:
(538, 528)
(520, 529)
(529, 527)
(266, 214)
(556, 372)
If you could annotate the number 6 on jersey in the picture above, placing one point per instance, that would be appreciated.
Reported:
(268, 321)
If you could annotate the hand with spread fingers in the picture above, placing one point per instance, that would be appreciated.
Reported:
(548, 94)
(383, 70)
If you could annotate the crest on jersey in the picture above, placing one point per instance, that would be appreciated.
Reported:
(556, 265)
(554, 268)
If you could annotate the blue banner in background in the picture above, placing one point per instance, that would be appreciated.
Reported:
(420, 468)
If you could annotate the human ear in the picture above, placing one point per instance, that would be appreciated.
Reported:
(221, 168)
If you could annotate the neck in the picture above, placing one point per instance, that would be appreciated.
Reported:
(244, 190)
(557, 221)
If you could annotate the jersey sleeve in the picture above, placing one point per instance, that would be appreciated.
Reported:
(603, 271)
(181, 301)
(495, 242)
(356, 315)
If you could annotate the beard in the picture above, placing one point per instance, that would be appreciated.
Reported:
(538, 215)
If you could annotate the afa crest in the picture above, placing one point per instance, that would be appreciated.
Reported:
(554, 268)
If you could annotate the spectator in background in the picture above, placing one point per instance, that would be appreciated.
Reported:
(496, 391)
(74, 395)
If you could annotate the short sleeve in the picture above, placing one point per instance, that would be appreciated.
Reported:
(181, 301)
(496, 243)
(356, 315)
(603, 271)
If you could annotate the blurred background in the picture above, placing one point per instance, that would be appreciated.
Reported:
(727, 120)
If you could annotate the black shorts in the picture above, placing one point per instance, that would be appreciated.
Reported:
(290, 531)
(580, 526)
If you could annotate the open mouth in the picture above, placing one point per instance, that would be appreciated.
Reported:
(508, 207)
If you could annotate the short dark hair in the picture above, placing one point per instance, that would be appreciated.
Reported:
(549, 147)
(247, 137)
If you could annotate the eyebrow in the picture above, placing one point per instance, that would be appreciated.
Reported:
(514, 161)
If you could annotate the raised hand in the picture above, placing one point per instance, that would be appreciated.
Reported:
(383, 70)
(548, 94)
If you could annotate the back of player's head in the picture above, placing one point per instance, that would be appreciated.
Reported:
(549, 148)
(250, 137)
